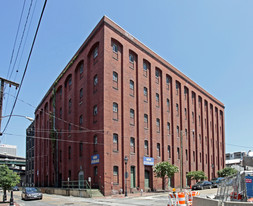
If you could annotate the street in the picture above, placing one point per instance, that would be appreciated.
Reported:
(157, 199)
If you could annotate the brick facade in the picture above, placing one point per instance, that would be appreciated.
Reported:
(118, 98)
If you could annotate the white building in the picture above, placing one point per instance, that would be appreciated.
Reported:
(8, 149)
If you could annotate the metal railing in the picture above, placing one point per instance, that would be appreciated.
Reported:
(77, 184)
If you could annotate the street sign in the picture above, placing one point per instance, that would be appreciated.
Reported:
(149, 161)
(126, 175)
(95, 159)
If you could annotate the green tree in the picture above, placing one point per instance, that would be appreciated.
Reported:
(165, 170)
(227, 171)
(196, 175)
(8, 179)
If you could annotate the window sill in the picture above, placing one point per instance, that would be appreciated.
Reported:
(131, 124)
(146, 101)
(131, 95)
(145, 128)
(132, 153)
(115, 183)
(116, 151)
(115, 88)
(115, 119)
(116, 58)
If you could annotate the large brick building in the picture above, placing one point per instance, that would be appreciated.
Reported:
(116, 98)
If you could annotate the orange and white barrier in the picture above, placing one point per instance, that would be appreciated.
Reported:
(182, 198)
(172, 199)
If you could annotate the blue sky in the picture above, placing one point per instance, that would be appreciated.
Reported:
(209, 41)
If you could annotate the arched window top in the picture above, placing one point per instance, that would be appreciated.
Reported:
(80, 67)
(94, 51)
(68, 80)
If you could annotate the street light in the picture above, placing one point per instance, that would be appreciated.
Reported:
(126, 175)
(14, 115)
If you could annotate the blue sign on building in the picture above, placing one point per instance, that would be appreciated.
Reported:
(249, 185)
(95, 159)
(149, 161)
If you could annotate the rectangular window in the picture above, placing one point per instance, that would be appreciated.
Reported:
(168, 105)
(157, 75)
(115, 142)
(95, 110)
(69, 153)
(185, 93)
(132, 121)
(131, 61)
(158, 149)
(177, 88)
(115, 175)
(186, 155)
(115, 111)
(95, 53)
(81, 94)
(95, 143)
(131, 87)
(157, 99)
(168, 127)
(178, 153)
(192, 117)
(132, 145)
(145, 69)
(185, 113)
(178, 131)
(146, 147)
(157, 125)
(81, 149)
(167, 82)
(145, 91)
(193, 156)
(177, 109)
(169, 153)
(115, 80)
(145, 121)
(115, 50)
(70, 105)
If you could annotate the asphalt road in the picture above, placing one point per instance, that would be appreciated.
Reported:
(155, 199)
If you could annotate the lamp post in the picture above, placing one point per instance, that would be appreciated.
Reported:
(126, 175)
(14, 115)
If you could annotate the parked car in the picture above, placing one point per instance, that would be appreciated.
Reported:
(15, 188)
(202, 185)
(31, 193)
(217, 181)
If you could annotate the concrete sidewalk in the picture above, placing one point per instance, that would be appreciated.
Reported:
(8, 203)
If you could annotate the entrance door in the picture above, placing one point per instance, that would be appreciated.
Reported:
(81, 179)
(147, 179)
(132, 176)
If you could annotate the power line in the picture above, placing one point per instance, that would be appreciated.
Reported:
(25, 67)
(20, 18)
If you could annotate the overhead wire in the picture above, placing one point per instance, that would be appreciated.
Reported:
(17, 70)
(23, 76)
(13, 49)
(58, 118)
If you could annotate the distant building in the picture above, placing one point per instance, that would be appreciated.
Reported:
(16, 164)
(248, 161)
(116, 98)
(8, 149)
(234, 159)
(30, 155)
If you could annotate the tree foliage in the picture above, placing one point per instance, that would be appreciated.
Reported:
(8, 178)
(196, 175)
(227, 171)
(165, 169)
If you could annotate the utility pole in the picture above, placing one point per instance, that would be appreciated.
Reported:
(3, 82)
